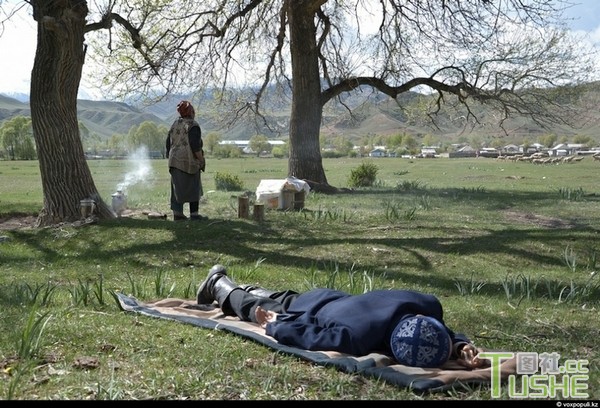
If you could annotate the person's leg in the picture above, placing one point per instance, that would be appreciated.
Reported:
(244, 305)
(280, 296)
(194, 205)
(194, 214)
(258, 291)
(176, 207)
(196, 191)
(234, 300)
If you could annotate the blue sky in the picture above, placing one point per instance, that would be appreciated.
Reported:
(586, 14)
(18, 41)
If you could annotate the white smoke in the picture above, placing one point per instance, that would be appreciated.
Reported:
(139, 161)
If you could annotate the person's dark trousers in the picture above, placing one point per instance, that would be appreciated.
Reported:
(178, 207)
(175, 206)
(244, 304)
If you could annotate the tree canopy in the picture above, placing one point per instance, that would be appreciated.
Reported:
(16, 138)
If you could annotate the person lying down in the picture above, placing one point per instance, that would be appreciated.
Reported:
(405, 324)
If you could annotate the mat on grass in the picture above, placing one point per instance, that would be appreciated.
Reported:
(379, 366)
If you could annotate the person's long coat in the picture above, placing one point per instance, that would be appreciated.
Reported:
(331, 320)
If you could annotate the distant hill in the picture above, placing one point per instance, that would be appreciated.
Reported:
(372, 114)
(10, 107)
(104, 118)
(107, 118)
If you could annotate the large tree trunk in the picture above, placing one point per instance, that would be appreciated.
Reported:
(305, 160)
(55, 78)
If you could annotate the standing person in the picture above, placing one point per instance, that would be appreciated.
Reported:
(186, 161)
(405, 324)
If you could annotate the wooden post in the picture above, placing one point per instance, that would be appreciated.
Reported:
(287, 200)
(299, 200)
(259, 212)
(243, 203)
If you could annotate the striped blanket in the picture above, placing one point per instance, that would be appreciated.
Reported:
(374, 365)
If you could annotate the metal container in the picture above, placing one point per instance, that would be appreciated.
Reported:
(119, 202)
(87, 207)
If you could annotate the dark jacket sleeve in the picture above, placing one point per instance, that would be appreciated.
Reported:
(195, 138)
(316, 338)
(168, 145)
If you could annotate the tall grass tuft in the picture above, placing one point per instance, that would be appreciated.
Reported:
(353, 282)
(520, 287)
(26, 294)
(80, 294)
(473, 286)
(19, 373)
(570, 194)
(99, 290)
(136, 289)
(27, 349)
(328, 215)
(523, 287)
(570, 258)
(474, 190)
(160, 285)
(249, 273)
(111, 392)
(425, 202)
(409, 185)
(393, 212)
(30, 337)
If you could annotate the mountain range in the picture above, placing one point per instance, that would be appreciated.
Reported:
(358, 116)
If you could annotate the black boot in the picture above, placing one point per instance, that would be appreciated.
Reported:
(221, 290)
(258, 291)
(217, 286)
(205, 294)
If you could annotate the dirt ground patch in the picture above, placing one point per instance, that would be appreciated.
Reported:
(10, 222)
(538, 220)
(17, 221)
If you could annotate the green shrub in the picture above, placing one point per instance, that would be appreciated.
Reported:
(228, 182)
(363, 176)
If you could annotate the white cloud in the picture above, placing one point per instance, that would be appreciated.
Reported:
(18, 41)
(595, 36)
(17, 48)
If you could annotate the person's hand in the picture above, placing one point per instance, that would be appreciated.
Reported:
(264, 316)
(468, 357)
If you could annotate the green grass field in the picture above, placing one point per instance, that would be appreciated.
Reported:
(511, 249)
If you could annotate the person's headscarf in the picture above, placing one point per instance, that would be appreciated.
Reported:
(186, 110)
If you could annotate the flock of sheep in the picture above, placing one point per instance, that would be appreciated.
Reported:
(544, 158)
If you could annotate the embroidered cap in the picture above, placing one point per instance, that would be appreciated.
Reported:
(421, 341)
